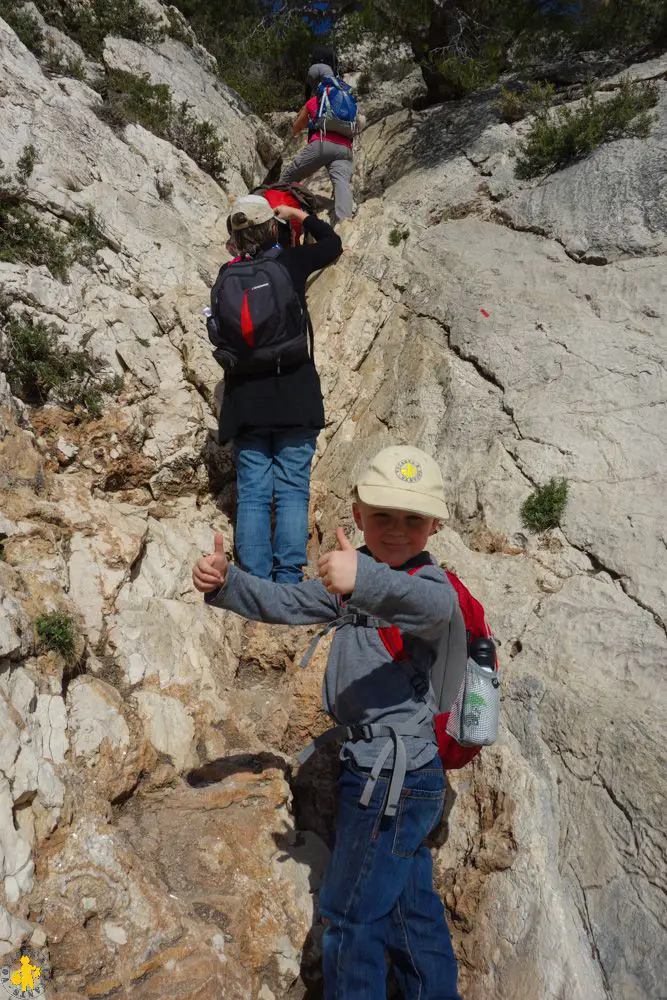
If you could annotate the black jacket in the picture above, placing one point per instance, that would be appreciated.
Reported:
(292, 398)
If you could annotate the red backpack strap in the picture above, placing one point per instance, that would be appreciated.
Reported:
(471, 609)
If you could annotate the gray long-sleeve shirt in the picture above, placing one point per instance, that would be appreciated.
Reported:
(363, 683)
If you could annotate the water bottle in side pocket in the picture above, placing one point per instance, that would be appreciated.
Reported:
(476, 712)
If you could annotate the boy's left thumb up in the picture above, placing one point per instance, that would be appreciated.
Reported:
(343, 540)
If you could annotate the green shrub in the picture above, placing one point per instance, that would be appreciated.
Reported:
(56, 631)
(39, 367)
(26, 239)
(462, 76)
(25, 24)
(26, 162)
(397, 234)
(130, 99)
(545, 507)
(178, 27)
(85, 236)
(555, 141)
(515, 105)
(199, 140)
(90, 24)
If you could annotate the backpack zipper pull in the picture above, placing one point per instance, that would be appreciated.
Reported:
(278, 367)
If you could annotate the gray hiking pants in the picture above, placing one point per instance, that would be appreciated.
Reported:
(340, 166)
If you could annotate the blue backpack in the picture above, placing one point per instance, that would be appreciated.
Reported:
(337, 107)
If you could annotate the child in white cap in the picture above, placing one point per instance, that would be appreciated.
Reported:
(377, 893)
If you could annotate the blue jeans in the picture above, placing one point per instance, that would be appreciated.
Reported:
(378, 894)
(273, 464)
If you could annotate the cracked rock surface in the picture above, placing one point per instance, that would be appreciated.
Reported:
(154, 839)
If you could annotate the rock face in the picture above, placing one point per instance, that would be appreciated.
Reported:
(154, 841)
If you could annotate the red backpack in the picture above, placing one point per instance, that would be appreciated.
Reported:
(452, 754)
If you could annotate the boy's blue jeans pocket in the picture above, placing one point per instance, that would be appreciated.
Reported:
(418, 812)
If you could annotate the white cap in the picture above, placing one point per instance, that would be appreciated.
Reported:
(404, 478)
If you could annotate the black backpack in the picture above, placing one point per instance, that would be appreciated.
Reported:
(257, 322)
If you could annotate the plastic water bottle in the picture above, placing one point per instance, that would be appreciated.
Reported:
(480, 711)
(211, 325)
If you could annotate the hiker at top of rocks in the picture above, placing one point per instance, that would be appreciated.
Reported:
(272, 408)
(327, 147)
(377, 895)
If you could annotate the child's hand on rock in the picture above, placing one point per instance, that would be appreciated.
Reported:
(338, 569)
(211, 571)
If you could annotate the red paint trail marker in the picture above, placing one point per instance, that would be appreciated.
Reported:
(484, 313)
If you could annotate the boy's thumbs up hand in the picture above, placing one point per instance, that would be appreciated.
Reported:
(211, 571)
(338, 569)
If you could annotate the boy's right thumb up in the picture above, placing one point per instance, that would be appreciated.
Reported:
(219, 544)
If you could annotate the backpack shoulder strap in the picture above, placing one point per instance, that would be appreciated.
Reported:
(471, 609)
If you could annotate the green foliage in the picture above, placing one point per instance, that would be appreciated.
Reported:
(26, 162)
(25, 24)
(133, 99)
(130, 99)
(461, 75)
(397, 235)
(545, 507)
(554, 141)
(515, 105)
(199, 140)
(85, 236)
(177, 29)
(39, 367)
(627, 25)
(464, 44)
(89, 24)
(26, 239)
(262, 49)
(56, 631)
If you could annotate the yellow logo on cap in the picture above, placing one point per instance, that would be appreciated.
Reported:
(409, 471)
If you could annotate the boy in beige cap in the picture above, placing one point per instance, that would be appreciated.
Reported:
(377, 894)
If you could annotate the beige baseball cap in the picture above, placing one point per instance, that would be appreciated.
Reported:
(250, 210)
(404, 478)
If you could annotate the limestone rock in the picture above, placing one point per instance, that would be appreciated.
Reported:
(168, 726)
(16, 864)
(13, 932)
(108, 737)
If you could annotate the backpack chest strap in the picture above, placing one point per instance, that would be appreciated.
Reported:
(357, 618)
